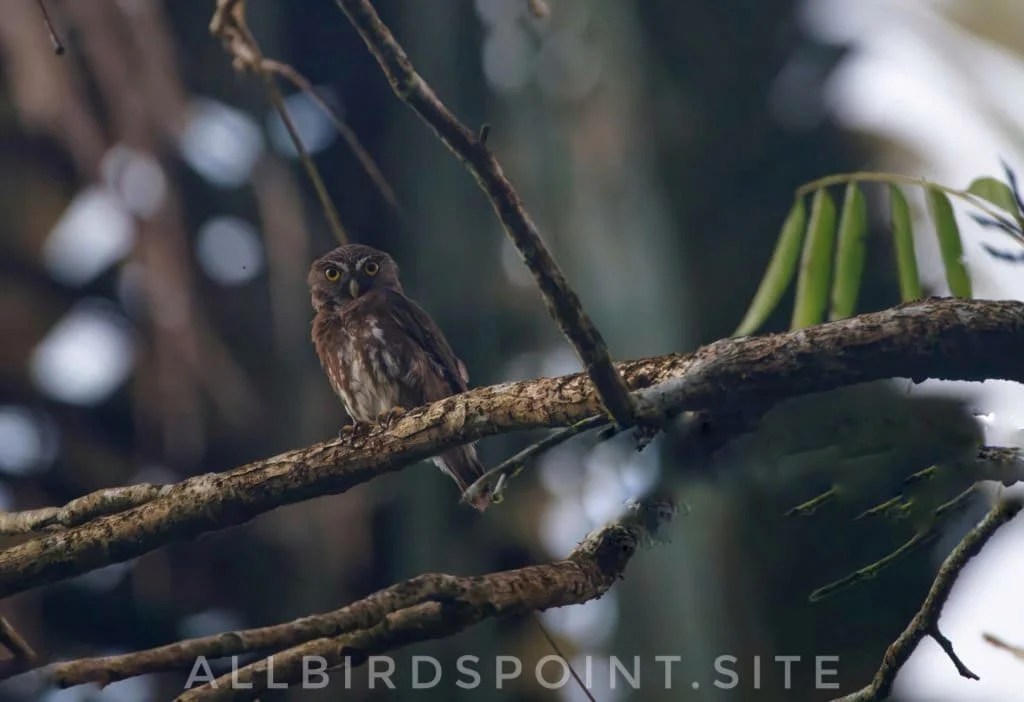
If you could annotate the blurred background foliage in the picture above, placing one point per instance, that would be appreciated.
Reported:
(154, 320)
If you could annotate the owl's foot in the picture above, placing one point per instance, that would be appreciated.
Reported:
(345, 430)
(386, 419)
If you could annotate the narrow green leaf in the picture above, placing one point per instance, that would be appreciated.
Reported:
(903, 238)
(779, 272)
(950, 245)
(812, 287)
(850, 253)
(994, 191)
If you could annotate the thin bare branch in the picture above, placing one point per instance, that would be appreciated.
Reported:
(941, 338)
(510, 467)
(230, 26)
(58, 47)
(926, 621)
(471, 149)
(347, 134)
(22, 656)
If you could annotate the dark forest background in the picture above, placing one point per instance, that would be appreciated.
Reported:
(156, 228)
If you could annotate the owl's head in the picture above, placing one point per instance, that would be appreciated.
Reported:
(351, 271)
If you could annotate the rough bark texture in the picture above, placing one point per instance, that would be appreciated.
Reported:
(424, 607)
(936, 338)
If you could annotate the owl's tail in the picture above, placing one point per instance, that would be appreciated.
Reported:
(464, 467)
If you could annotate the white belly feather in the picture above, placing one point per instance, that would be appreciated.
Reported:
(368, 390)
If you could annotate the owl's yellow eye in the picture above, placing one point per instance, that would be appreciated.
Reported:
(332, 273)
(371, 268)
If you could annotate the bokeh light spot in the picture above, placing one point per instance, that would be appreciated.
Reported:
(220, 143)
(229, 250)
(86, 356)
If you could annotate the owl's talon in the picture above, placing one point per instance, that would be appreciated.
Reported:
(345, 430)
(386, 419)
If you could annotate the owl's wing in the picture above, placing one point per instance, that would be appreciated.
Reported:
(413, 321)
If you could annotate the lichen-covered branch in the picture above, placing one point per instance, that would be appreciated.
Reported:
(427, 606)
(79, 510)
(926, 621)
(940, 338)
(471, 148)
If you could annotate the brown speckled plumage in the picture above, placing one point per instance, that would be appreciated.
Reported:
(380, 349)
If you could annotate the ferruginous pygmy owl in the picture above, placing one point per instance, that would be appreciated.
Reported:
(381, 351)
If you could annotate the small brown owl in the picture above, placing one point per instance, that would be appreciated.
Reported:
(381, 351)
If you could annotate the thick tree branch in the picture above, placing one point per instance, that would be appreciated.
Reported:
(428, 606)
(947, 338)
(926, 621)
(80, 510)
(562, 301)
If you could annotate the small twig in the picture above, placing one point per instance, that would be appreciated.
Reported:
(58, 47)
(947, 646)
(920, 538)
(347, 134)
(22, 655)
(562, 301)
(511, 466)
(229, 24)
(554, 646)
(80, 510)
(926, 621)
(1016, 651)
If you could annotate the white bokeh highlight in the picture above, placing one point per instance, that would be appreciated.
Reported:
(229, 250)
(137, 178)
(220, 143)
(86, 356)
(94, 233)
(314, 127)
(28, 441)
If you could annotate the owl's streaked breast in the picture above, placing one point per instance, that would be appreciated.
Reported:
(365, 374)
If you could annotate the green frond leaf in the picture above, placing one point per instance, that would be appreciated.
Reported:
(950, 245)
(903, 239)
(812, 286)
(906, 259)
(994, 191)
(780, 270)
(851, 251)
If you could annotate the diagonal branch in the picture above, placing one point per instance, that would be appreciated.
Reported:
(229, 24)
(21, 658)
(472, 150)
(926, 621)
(403, 613)
(589, 571)
(945, 338)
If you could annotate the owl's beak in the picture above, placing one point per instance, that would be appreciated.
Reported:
(353, 288)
